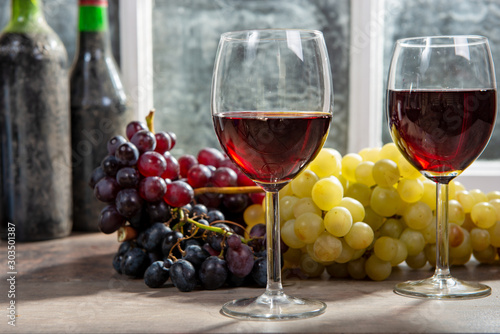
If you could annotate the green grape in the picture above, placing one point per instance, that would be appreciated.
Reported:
(377, 269)
(385, 248)
(414, 241)
(360, 236)
(410, 190)
(360, 192)
(392, 227)
(356, 268)
(385, 173)
(292, 257)
(461, 254)
(456, 212)
(407, 170)
(363, 173)
(286, 191)
(349, 163)
(326, 163)
(495, 234)
(429, 196)
(355, 207)
(417, 261)
(429, 232)
(478, 195)
(373, 219)
(327, 247)
(287, 204)
(458, 186)
(310, 267)
(303, 183)
(385, 201)
(357, 253)
(484, 215)
(308, 226)
(493, 195)
(430, 254)
(338, 221)
(456, 235)
(370, 154)
(401, 253)
(254, 215)
(288, 235)
(496, 203)
(479, 239)
(327, 193)
(390, 151)
(466, 199)
(418, 215)
(347, 253)
(337, 270)
(343, 181)
(304, 205)
(310, 251)
(486, 255)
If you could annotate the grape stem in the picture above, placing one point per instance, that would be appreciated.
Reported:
(126, 233)
(228, 190)
(150, 120)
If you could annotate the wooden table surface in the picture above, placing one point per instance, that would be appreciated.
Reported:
(69, 286)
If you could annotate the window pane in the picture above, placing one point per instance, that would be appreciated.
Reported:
(444, 17)
(185, 39)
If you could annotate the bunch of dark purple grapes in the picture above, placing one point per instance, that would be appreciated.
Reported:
(170, 222)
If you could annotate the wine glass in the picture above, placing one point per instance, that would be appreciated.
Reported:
(441, 108)
(272, 102)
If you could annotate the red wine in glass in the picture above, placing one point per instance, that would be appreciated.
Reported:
(272, 147)
(441, 131)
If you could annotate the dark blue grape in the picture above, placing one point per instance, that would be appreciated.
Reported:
(127, 154)
(195, 254)
(117, 262)
(128, 202)
(114, 142)
(125, 246)
(214, 215)
(159, 211)
(235, 203)
(134, 262)
(215, 239)
(106, 189)
(151, 238)
(96, 176)
(213, 273)
(169, 241)
(156, 275)
(259, 271)
(110, 220)
(183, 275)
(198, 210)
(235, 281)
(127, 177)
(110, 165)
(141, 220)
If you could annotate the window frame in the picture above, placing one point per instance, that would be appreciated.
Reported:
(366, 78)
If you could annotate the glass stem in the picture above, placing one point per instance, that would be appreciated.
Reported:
(442, 233)
(274, 286)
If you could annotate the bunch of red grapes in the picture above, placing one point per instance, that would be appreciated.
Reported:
(193, 240)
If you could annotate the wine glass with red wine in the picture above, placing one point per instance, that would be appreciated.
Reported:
(441, 108)
(272, 103)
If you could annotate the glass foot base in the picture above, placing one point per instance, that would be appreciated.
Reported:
(273, 307)
(442, 288)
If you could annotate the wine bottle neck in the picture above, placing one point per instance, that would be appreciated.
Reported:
(93, 15)
(27, 16)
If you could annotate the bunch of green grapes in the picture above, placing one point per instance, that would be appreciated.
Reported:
(364, 213)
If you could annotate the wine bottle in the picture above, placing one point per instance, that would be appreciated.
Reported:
(35, 150)
(99, 108)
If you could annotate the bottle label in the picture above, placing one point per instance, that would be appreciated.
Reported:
(93, 3)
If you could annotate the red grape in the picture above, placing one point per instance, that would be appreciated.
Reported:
(257, 198)
(210, 156)
(173, 139)
(224, 177)
(244, 180)
(235, 203)
(151, 163)
(163, 142)
(240, 260)
(172, 171)
(152, 188)
(178, 194)
(198, 176)
(185, 163)
(133, 127)
(144, 140)
(226, 162)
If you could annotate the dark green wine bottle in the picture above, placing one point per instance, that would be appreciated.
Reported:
(98, 107)
(35, 151)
